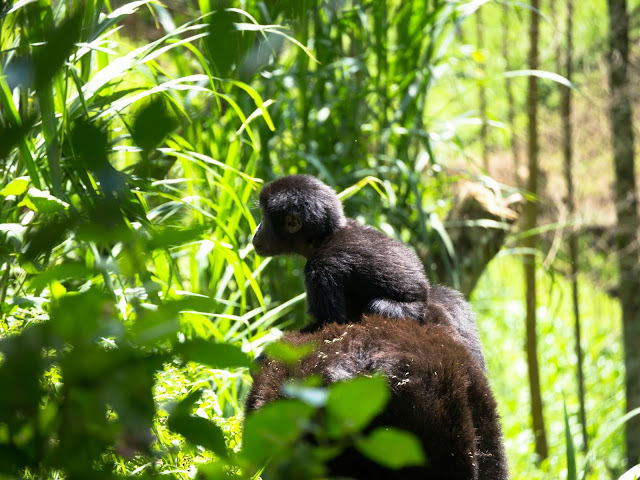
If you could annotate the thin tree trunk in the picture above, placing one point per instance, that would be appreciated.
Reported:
(482, 93)
(557, 41)
(530, 218)
(565, 113)
(626, 212)
(511, 112)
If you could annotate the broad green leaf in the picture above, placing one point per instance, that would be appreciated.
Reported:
(82, 318)
(11, 459)
(353, 404)
(215, 355)
(173, 236)
(16, 187)
(392, 448)
(194, 303)
(57, 49)
(59, 272)
(311, 395)
(43, 202)
(184, 407)
(285, 352)
(153, 122)
(215, 471)
(11, 135)
(224, 42)
(128, 387)
(90, 143)
(21, 368)
(199, 431)
(155, 326)
(274, 428)
(196, 430)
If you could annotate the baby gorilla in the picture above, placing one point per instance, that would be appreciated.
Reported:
(438, 392)
(351, 269)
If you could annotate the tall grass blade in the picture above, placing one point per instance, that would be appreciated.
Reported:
(572, 473)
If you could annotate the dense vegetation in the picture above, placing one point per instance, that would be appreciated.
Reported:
(133, 141)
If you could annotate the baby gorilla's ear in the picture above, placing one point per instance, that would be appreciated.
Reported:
(293, 222)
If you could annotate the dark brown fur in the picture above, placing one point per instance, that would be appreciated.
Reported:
(448, 307)
(439, 392)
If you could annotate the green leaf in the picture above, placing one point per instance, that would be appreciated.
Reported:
(153, 122)
(314, 396)
(173, 236)
(554, 77)
(155, 326)
(572, 471)
(163, 323)
(16, 187)
(287, 353)
(215, 355)
(21, 367)
(58, 47)
(275, 428)
(43, 202)
(82, 318)
(12, 135)
(128, 389)
(215, 471)
(90, 144)
(224, 40)
(353, 404)
(12, 460)
(392, 448)
(46, 236)
(199, 431)
(14, 234)
(59, 272)
(114, 17)
(189, 302)
(184, 407)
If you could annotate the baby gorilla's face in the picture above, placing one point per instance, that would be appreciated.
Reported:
(273, 237)
(262, 240)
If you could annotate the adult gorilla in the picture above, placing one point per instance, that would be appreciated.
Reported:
(439, 392)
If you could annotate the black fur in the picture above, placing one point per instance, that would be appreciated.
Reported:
(439, 392)
(351, 269)
(359, 270)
